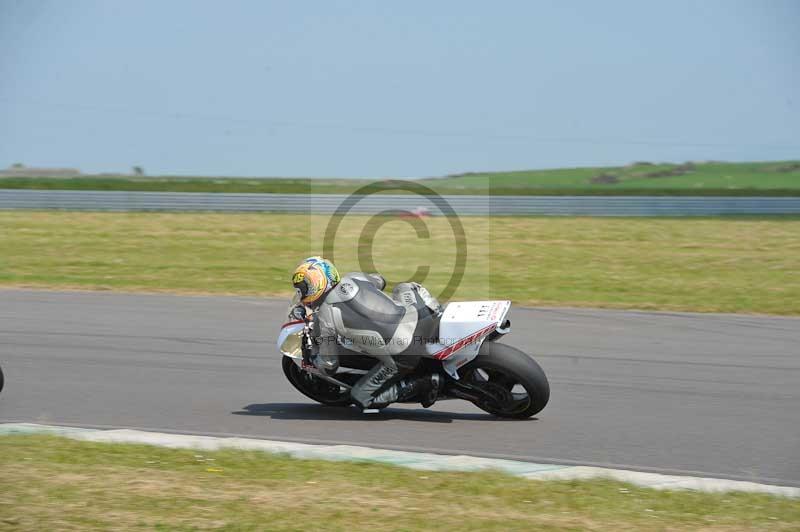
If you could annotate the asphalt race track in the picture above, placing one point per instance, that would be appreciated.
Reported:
(714, 395)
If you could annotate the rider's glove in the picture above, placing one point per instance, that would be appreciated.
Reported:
(297, 312)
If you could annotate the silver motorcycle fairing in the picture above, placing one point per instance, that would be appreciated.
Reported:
(290, 339)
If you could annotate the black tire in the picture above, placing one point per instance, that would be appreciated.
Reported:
(314, 388)
(1, 379)
(521, 369)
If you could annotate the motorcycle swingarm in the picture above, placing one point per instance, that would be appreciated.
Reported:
(328, 378)
(467, 392)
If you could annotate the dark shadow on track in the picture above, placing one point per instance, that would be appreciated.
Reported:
(311, 412)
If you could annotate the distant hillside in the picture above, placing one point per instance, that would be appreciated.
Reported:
(780, 178)
(19, 170)
(642, 176)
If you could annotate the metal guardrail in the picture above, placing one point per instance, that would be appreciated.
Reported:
(463, 205)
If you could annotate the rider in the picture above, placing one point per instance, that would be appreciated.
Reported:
(358, 316)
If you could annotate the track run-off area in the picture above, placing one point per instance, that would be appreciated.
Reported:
(702, 394)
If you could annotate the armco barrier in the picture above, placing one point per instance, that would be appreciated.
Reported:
(463, 205)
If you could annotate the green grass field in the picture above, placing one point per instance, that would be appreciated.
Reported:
(51, 483)
(780, 178)
(726, 265)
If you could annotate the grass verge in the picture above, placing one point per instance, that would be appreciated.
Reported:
(52, 483)
(779, 178)
(722, 265)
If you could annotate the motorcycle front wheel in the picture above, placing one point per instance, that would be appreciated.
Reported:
(313, 387)
(515, 382)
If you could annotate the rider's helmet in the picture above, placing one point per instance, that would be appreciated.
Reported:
(313, 278)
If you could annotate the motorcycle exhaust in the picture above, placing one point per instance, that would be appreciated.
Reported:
(504, 329)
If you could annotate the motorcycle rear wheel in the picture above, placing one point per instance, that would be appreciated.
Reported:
(517, 382)
(313, 387)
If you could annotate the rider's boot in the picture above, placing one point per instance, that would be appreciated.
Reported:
(365, 392)
(425, 388)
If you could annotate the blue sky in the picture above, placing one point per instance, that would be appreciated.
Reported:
(402, 89)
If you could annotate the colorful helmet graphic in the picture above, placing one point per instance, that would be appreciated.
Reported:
(313, 278)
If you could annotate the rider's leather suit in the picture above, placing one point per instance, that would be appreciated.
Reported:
(356, 316)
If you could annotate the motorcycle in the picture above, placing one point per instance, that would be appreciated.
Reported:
(472, 365)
